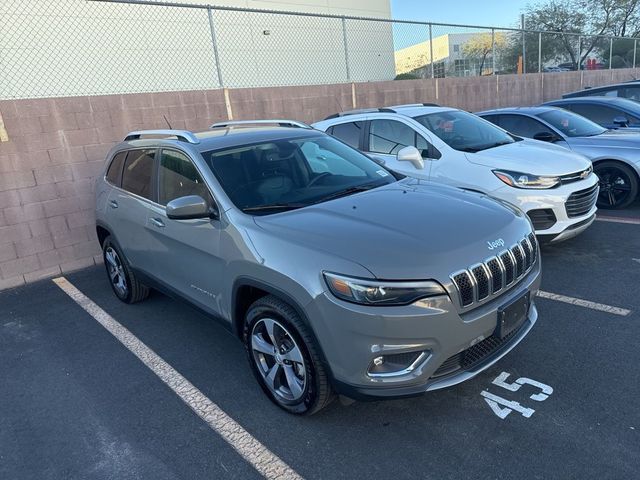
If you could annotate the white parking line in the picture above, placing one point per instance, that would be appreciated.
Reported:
(631, 221)
(585, 303)
(262, 459)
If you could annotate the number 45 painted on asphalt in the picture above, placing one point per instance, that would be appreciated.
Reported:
(508, 406)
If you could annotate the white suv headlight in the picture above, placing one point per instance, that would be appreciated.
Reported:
(526, 180)
(373, 292)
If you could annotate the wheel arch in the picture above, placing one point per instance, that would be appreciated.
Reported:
(634, 168)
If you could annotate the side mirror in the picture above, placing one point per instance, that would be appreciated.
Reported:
(621, 121)
(189, 207)
(413, 155)
(545, 137)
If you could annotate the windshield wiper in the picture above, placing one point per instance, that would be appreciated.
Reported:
(275, 206)
(346, 192)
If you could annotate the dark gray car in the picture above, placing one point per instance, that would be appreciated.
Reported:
(338, 276)
(615, 153)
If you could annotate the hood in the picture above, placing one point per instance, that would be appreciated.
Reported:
(611, 138)
(533, 157)
(408, 230)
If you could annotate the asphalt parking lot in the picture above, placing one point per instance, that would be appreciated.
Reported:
(77, 403)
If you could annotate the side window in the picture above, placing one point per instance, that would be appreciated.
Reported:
(349, 133)
(595, 113)
(138, 170)
(495, 119)
(632, 93)
(390, 136)
(426, 149)
(114, 172)
(523, 126)
(178, 177)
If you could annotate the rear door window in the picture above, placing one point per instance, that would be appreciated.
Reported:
(596, 113)
(138, 172)
(522, 126)
(114, 172)
(349, 133)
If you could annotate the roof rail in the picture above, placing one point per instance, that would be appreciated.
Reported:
(182, 135)
(361, 111)
(277, 121)
(427, 104)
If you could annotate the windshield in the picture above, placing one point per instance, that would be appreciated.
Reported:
(571, 124)
(464, 131)
(286, 174)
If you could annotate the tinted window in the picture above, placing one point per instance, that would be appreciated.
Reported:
(464, 131)
(349, 133)
(138, 170)
(570, 124)
(272, 176)
(114, 173)
(603, 93)
(390, 136)
(632, 93)
(522, 125)
(178, 177)
(599, 113)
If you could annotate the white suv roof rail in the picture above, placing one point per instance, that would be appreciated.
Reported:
(277, 121)
(182, 135)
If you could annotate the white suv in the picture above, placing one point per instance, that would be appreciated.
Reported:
(555, 187)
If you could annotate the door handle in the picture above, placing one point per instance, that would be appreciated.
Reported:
(113, 204)
(157, 222)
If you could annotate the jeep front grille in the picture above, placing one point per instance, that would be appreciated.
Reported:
(486, 279)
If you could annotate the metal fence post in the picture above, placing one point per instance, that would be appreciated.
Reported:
(433, 71)
(610, 52)
(635, 48)
(214, 41)
(524, 48)
(493, 52)
(579, 52)
(539, 52)
(346, 48)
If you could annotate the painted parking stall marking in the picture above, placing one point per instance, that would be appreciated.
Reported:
(630, 221)
(503, 407)
(255, 453)
(584, 303)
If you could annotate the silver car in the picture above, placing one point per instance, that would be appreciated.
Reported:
(615, 153)
(338, 276)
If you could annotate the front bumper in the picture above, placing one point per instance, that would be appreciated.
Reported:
(552, 202)
(353, 335)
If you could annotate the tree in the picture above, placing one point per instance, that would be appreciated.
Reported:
(481, 45)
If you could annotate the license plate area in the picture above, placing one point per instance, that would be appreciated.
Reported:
(512, 315)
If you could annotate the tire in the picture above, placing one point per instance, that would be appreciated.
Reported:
(618, 185)
(301, 388)
(123, 281)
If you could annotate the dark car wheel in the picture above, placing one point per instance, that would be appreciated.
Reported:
(618, 185)
(123, 281)
(284, 359)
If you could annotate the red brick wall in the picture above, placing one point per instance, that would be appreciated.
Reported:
(56, 147)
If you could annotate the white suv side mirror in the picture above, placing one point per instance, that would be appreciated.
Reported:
(411, 154)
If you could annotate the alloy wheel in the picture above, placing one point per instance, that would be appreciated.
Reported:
(116, 272)
(279, 360)
(615, 186)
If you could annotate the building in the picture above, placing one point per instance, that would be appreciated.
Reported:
(450, 57)
(74, 47)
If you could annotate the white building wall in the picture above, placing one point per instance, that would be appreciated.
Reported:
(74, 47)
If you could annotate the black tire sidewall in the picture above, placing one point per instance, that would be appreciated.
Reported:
(632, 180)
(109, 242)
(310, 397)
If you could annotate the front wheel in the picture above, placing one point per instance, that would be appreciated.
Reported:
(284, 359)
(618, 185)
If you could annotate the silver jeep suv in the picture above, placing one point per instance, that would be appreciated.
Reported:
(338, 275)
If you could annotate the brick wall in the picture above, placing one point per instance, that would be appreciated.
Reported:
(54, 148)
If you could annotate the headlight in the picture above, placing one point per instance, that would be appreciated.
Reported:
(525, 180)
(372, 292)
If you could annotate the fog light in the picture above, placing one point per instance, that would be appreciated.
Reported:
(396, 364)
(378, 361)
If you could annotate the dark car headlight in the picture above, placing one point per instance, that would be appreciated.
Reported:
(526, 180)
(383, 293)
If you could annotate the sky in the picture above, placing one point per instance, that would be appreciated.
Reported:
(499, 13)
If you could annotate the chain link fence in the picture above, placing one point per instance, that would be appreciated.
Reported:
(53, 48)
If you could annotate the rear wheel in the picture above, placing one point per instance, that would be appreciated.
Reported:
(123, 281)
(283, 357)
(618, 185)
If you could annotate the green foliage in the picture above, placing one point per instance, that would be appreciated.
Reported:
(406, 76)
